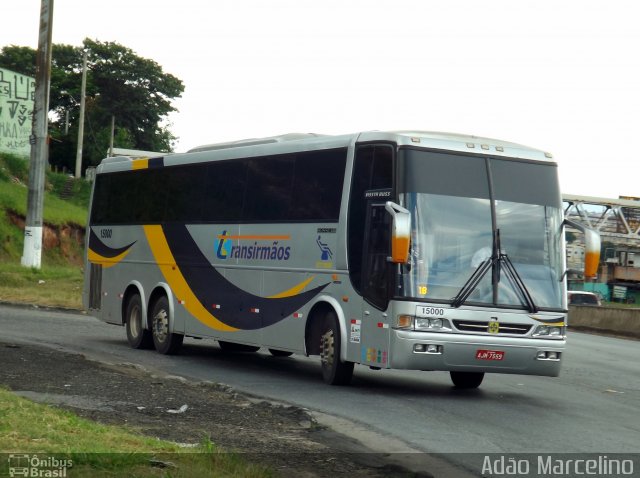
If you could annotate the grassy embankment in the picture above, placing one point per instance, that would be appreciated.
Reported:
(59, 281)
(105, 451)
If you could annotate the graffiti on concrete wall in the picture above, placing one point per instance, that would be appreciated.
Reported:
(17, 93)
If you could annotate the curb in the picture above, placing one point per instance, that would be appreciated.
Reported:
(49, 308)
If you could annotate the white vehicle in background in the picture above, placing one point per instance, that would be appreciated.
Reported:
(578, 297)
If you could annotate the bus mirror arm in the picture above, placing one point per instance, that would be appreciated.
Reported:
(591, 247)
(400, 233)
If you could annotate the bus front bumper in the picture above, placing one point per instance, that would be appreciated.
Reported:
(475, 353)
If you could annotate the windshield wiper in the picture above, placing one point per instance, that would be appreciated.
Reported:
(473, 281)
(494, 263)
(515, 277)
(491, 263)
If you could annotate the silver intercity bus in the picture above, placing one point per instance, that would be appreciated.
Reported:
(405, 250)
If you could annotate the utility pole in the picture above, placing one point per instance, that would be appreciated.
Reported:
(83, 94)
(113, 132)
(32, 252)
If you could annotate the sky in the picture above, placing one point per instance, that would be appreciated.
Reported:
(561, 76)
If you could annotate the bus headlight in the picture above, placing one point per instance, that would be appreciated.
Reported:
(431, 324)
(551, 331)
(428, 323)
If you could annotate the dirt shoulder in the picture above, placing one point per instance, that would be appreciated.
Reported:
(286, 438)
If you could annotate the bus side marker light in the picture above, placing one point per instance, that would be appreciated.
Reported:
(404, 321)
(345, 299)
(382, 325)
(215, 306)
(297, 315)
(254, 310)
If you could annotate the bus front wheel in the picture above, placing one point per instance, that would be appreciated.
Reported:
(137, 336)
(466, 380)
(165, 342)
(334, 371)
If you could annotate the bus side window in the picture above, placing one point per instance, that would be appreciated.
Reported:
(382, 168)
(375, 270)
(372, 169)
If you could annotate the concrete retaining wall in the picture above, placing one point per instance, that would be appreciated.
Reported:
(605, 319)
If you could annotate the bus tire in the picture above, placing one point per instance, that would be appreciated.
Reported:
(334, 371)
(165, 342)
(233, 347)
(466, 380)
(280, 353)
(137, 336)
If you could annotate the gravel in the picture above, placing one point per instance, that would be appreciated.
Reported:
(285, 438)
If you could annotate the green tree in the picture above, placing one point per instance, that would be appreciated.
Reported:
(134, 90)
(21, 59)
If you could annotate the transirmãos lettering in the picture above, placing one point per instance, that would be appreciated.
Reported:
(260, 252)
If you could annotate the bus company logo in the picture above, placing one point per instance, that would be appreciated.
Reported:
(223, 245)
(264, 247)
(37, 466)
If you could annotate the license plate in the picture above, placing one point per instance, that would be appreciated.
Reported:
(489, 355)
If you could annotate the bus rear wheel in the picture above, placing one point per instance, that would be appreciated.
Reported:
(137, 336)
(467, 380)
(165, 342)
(334, 371)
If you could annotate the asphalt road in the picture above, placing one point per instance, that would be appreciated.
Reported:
(591, 408)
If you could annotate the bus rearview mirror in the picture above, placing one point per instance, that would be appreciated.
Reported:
(591, 253)
(591, 248)
(400, 232)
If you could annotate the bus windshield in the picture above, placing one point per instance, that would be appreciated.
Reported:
(463, 209)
